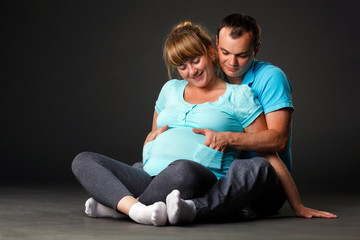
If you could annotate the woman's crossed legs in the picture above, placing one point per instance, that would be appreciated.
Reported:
(117, 187)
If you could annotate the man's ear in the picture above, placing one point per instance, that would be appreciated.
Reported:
(212, 53)
(217, 41)
(257, 48)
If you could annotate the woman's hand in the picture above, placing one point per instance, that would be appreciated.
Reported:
(153, 134)
(302, 211)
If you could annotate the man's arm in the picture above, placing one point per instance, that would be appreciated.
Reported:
(285, 178)
(291, 191)
(274, 138)
(274, 92)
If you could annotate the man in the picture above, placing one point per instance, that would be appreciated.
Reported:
(238, 42)
(250, 182)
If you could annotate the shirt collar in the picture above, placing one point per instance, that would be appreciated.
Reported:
(250, 74)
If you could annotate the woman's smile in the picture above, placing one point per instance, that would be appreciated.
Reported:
(198, 76)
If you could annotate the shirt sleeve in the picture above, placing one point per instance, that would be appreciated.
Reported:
(246, 107)
(276, 90)
(162, 98)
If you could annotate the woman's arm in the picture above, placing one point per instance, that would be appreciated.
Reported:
(286, 180)
(155, 131)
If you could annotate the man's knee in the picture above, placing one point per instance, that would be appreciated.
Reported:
(258, 162)
(264, 172)
(261, 164)
(254, 167)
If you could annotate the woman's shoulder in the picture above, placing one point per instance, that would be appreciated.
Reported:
(242, 95)
(174, 83)
(241, 90)
(245, 103)
(172, 87)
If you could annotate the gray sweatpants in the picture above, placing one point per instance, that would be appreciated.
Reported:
(108, 180)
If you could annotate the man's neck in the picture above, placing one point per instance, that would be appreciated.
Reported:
(235, 80)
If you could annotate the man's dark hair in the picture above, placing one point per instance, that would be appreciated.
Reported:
(240, 23)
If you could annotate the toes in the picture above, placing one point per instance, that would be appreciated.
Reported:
(90, 204)
(159, 216)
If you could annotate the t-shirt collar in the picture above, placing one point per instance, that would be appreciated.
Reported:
(250, 75)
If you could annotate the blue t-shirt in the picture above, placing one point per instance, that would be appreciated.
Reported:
(274, 91)
(233, 111)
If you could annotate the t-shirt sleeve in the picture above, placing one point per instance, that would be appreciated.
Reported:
(165, 91)
(276, 90)
(246, 107)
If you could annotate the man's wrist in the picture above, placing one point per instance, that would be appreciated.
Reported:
(233, 139)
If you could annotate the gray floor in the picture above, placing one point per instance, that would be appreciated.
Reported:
(57, 213)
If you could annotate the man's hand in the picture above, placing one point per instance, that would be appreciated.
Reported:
(302, 211)
(153, 134)
(214, 140)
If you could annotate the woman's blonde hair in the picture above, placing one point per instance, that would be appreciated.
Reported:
(184, 42)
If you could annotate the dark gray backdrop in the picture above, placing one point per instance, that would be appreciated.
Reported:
(84, 76)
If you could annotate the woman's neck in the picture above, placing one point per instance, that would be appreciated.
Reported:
(210, 93)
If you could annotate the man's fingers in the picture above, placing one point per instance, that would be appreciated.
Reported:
(199, 131)
(207, 143)
(316, 213)
(325, 214)
(218, 148)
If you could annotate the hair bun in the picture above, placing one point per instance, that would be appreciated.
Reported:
(184, 24)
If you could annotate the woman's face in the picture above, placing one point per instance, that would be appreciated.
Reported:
(198, 71)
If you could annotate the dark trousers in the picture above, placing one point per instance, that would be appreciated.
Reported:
(108, 180)
(249, 182)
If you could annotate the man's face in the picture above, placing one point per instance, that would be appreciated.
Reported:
(235, 55)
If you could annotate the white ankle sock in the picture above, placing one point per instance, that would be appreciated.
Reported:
(179, 211)
(154, 214)
(95, 209)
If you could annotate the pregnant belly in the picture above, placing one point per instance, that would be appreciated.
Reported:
(178, 143)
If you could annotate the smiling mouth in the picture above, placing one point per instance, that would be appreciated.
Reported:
(232, 69)
(197, 77)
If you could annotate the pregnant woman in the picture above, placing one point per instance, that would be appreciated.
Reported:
(201, 100)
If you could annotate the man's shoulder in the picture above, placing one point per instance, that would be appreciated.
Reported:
(267, 74)
(272, 86)
(263, 69)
